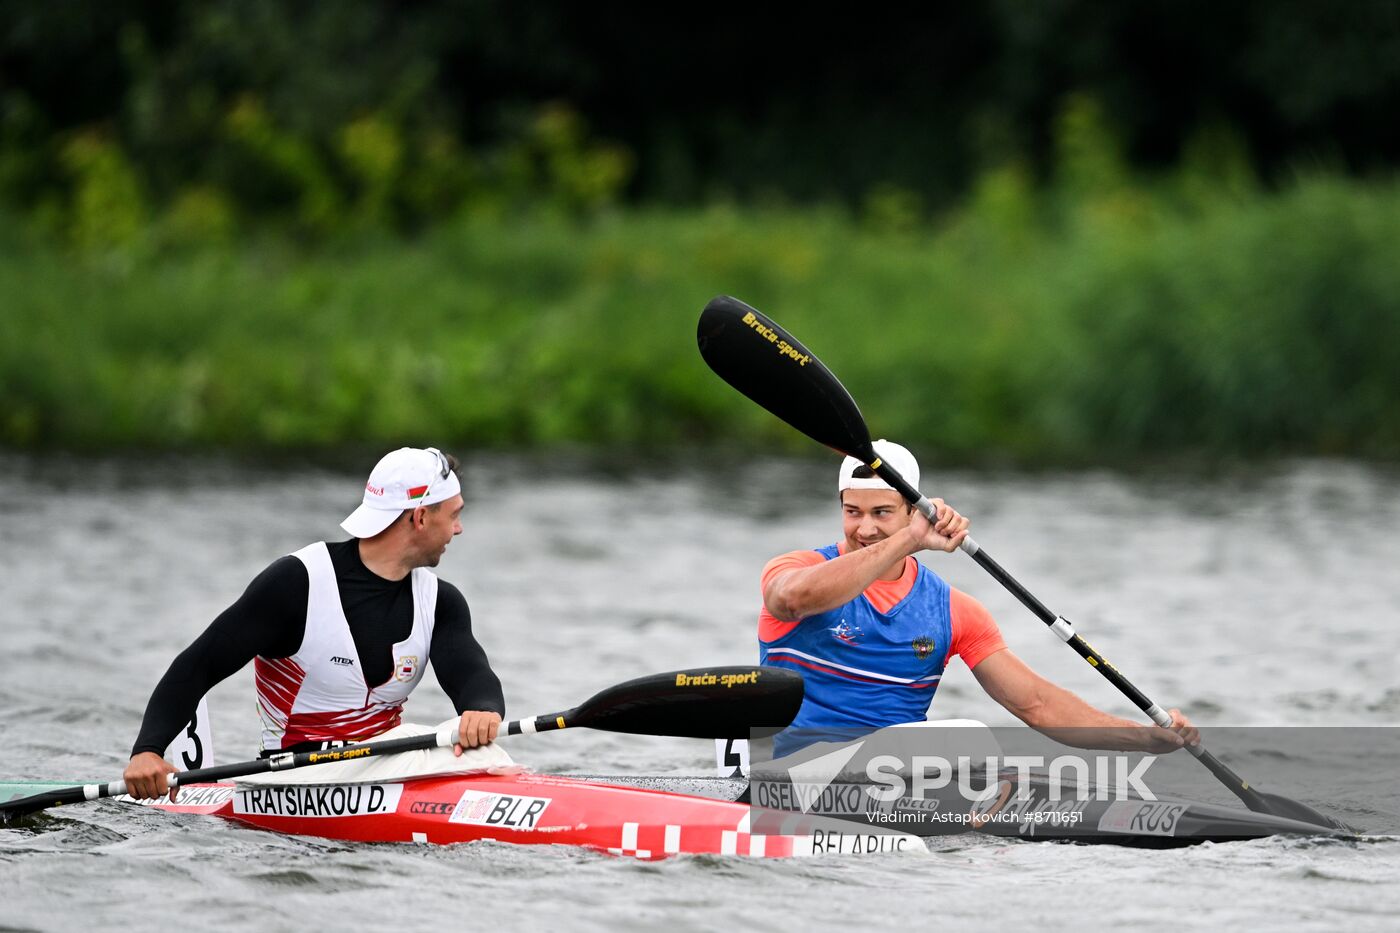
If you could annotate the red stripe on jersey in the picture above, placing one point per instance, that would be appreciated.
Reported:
(345, 725)
(278, 681)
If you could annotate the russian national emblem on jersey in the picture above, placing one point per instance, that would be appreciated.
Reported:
(923, 646)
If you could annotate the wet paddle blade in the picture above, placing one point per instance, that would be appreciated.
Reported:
(1293, 810)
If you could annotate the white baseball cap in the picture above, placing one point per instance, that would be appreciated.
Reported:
(888, 452)
(403, 479)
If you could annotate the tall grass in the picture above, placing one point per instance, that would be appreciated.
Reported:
(1120, 325)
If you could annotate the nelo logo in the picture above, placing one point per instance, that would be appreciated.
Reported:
(433, 807)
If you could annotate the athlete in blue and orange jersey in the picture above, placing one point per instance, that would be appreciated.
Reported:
(871, 629)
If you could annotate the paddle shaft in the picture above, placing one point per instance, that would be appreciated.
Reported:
(284, 761)
(288, 760)
(718, 702)
(444, 738)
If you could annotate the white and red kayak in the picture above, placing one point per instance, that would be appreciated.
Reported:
(526, 808)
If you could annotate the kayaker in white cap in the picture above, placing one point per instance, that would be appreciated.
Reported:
(341, 633)
(872, 630)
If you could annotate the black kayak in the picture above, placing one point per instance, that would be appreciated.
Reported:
(1020, 805)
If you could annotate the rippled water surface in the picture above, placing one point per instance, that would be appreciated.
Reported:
(1265, 595)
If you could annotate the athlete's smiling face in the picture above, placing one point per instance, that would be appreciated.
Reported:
(872, 515)
(434, 527)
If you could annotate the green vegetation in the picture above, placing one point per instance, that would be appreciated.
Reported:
(1093, 319)
(1064, 232)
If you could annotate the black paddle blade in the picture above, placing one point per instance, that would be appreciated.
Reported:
(701, 703)
(764, 362)
(19, 807)
(1293, 810)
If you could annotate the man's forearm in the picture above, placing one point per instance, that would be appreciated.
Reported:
(798, 594)
(1066, 718)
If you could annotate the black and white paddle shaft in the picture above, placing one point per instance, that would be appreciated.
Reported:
(761, 359)
(283, 762)
(705, 702)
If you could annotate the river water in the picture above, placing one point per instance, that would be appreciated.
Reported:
(1260, 595)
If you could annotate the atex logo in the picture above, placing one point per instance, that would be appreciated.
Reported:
(343, 662)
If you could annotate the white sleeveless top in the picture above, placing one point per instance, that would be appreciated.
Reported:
(319, 694)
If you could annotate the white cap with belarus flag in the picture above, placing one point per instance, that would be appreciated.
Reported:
(889, 452)
(404, 479)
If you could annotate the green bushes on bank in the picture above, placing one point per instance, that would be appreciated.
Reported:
(1112, 326)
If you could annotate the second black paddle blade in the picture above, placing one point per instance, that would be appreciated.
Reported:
(1293, 810)
(764, 362)
(702, 703)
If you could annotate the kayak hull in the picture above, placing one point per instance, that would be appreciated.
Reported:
(528, 809)
(1029, 807)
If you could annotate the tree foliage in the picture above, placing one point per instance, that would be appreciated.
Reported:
(380, 113)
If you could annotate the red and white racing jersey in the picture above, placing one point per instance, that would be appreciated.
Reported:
(319, 694)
